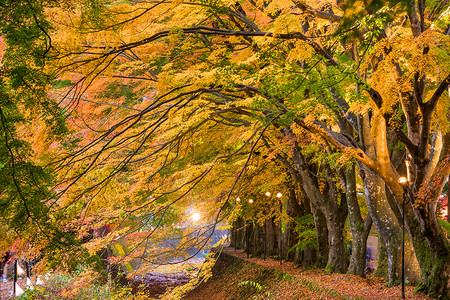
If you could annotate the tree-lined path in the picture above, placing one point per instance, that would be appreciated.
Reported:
(132, 131)
(300, 284)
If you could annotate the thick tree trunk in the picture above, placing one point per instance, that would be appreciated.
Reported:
(336, 258)
(433, 255)
(233, 234)
(271, 238)
(382, 259)
(334, 222)
(249, 237)
(448, 208)
(431, 245)
(385, 222)
(389, 229)
(258, 240)
(359, 247)
(289, 234)
(334, 215)
(322, 236)
(360, 228)
(238, 240)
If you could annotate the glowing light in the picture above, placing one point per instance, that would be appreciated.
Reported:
(279, 195)
(403, 181)
(268, 194)
(250, 201)
(195, 217)
(238, 199)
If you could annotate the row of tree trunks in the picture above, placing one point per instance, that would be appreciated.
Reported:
(329, 209)
(264, 241)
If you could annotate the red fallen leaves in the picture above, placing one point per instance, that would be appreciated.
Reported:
(297, 283)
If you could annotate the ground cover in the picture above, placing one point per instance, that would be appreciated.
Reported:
(236, 277)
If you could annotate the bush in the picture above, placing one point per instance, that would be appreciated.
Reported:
(77, 286)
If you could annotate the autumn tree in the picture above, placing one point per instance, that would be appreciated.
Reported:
(289, 72)
(148, 84)
(26, 196)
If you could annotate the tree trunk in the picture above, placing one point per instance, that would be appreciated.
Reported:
(271, 237)
(289, 234)
(239, 233)
(256, 240)
(322, 236)
(385, 222)
(360, 228)
(302, 207)
(431, 245)
(335, 219)
(448, 208)
(433, 256)
(389, 229)
(249, 238)
(336, 257)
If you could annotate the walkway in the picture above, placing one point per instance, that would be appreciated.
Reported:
(349, 285)
(234, 279)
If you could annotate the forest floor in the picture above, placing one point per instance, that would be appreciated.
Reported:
(236, 277)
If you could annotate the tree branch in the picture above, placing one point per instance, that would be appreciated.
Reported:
(431, 104)
(316, 13)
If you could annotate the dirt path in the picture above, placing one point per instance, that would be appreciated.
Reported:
(6, 288)
(287, 281)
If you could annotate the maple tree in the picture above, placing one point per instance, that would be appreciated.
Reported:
(25, 185)
(172, 103)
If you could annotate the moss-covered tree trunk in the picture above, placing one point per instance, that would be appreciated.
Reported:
(359, 227)
(432, 251)
(336, 257)
(293, 211)
(431, 245)
(335, 213)
(385, 222)
(322, 236)
(239, 233)
(390, 230)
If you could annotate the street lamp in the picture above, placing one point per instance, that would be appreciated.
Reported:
(235, 229)
(268, 194)
(403, 181)
(248, 234)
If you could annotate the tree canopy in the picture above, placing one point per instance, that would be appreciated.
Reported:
(138, 114)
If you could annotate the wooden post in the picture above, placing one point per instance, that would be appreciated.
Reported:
(15, 277)
(235, 234)
(281, 234)
(27, 268)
